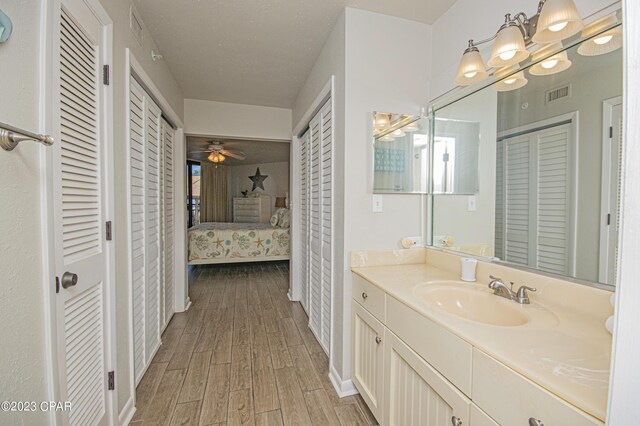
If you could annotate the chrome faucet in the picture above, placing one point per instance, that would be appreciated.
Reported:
(500, 289)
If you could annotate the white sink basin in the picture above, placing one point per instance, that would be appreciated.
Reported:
(473, 304)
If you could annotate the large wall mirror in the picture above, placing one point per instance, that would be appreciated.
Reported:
(400, 153)
(549, 161)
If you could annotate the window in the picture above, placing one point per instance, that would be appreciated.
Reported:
(193, 192)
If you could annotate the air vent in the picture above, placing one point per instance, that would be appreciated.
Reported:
(558, 93)
(136, 25)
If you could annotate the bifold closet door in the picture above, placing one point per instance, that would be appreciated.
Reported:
(320, 220)
(304, 218)
(146, 161)
(168, 232)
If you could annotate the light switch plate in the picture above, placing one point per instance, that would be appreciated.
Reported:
(376, 205)
(471, 203)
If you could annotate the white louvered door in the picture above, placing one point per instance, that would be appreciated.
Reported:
(168, 232)
(80, 194)
(305, 141)
(317, 219)
(533, 199)
(148, 184)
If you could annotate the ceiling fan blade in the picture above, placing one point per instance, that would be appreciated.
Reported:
(233, 154)
(194, 152)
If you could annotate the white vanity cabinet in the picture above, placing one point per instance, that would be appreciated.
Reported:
(412, 371)
(368, 355)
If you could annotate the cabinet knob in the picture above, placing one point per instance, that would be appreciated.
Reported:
(364, 295)
(456, 421)
(535, 422)
(378, 339)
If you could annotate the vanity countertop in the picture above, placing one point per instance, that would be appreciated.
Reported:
(565, 351)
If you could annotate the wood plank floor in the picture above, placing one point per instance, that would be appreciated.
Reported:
(242, 355)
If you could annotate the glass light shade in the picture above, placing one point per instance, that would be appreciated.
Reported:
(216, 157)
(382, 121)
(387, 138)
(552, 63)
(471, 68)
(509, 78)
(558, 20)
(509, 48)
(605, 42)
(398, 133)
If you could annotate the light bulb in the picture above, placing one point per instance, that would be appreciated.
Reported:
(510, 81)
(603, 40)
(398, 133)
(505, 56)
(558, 27)
(549, 64)
(470, 74)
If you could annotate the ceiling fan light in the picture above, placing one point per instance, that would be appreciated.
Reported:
(601, 42)
(558, 20)
(509, 47)
(216, 157)
(471, 68)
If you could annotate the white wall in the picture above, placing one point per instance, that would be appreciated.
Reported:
(22, 292)
(22, 296)
(276, 185)
(209, 118)
(478, 20)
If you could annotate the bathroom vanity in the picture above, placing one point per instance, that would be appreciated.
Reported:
(429, 349)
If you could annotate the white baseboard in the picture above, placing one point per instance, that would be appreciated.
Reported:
(125, 416)
(343, 387)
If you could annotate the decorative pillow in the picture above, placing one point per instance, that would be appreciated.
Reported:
(285, 220)
(274, 219)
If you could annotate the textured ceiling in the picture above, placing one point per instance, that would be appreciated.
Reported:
(251, 51)
(256, 152)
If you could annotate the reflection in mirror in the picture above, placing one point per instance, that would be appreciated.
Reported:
(400, 153)
(455, 156)
(550, 162)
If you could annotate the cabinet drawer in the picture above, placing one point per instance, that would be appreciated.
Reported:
(511, 399)
(445, 351)
(369, 296)
(415, 393)
(246, 201)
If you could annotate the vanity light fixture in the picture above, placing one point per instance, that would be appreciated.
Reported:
(387, 138)
(411, 127)
(398, 133)
(510, 79)
(471, 68)
(601, 42)
(509, 47)
(552, 64)
(382, 121)
(555, 21)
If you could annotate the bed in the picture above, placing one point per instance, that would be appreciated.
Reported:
(214, 242)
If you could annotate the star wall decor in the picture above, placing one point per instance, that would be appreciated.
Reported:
(258, 180)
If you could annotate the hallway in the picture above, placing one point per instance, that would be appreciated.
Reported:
(242, 355)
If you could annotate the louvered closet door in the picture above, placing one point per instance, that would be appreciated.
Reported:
(320, 172)
(326, 122)
(168, 231)
(146, 188)
(79, 213)
(305, 141)
(315, 241)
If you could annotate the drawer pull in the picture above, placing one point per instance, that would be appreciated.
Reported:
(535, 422)
(456, 421)
(378, 339)
(364, 295)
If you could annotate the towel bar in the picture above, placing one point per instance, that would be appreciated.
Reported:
(11, 136)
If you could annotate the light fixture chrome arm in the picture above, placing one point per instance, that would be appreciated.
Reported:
(11, 136)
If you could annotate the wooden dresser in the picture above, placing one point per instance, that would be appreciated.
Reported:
(252, 210)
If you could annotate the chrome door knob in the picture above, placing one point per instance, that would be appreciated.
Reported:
(456, 421)
(69, 279)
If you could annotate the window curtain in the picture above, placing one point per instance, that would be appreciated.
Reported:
(214, 190)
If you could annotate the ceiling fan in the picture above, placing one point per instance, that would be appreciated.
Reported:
(217, 153)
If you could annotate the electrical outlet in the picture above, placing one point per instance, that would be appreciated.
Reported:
(376, 206)
(471, 203)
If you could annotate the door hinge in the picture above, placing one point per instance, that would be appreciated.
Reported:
(109, 230)
(57, 285)
(610, 132)
(112, 380)
(105, 74)
(608, 218)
